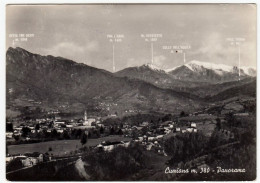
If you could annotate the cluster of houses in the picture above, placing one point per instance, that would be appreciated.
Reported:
(152, 138)
(189, 129)
(58, 124)
(161, 130)
(147, 134)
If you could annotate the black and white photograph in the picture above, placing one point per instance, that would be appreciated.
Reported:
(130, 92)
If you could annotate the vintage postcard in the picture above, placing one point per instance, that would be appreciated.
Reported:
(131, 92)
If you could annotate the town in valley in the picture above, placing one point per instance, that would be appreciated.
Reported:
(140, 92)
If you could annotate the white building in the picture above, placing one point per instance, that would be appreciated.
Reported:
(151, 138)
(140, 138)
(57, 118)
(193, 125)
(69, 126)
(159, 137)
(60, 131)
(9, 135)
(110, 147)
(189, 130)
(59, 122)
(30, 161)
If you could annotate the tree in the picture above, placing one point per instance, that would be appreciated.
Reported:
(16, 137)
(65, 134)
(121, 125)
(78, 133)
(54, 133)
(144, 130)
(218, 125)
(119, 132)
(44, 134)
(37, 110)
(167, 117)
(25, 110)
(112, 131)
(97, 132)
(14, 165)
(182, 114)
(37, 126)
(101, 130)
(9, 127)
(231, 119)
(25, 131)
(50, 125)
(134, 134)
(83, 139)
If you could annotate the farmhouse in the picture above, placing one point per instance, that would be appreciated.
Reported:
(32, 159)
(193, 124)
(59, 122)
(9, 135)
(189, 130)
(109, 146)
(29, 161)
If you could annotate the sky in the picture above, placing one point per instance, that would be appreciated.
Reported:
(79, 33)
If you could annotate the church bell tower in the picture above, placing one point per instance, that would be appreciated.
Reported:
(86, 117)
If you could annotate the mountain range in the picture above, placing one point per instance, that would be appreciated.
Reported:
(54, 81)
(194, 73)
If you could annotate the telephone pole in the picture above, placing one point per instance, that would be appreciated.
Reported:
(152, 51)
(114, 67)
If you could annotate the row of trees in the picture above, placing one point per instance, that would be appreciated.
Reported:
(54, 134)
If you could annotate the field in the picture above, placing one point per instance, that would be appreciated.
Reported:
(206, 128)
(60, 147)
(204, 117)
(12, 113)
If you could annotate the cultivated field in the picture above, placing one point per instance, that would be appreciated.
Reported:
(199, 118)
(60, 147)
(207, 127)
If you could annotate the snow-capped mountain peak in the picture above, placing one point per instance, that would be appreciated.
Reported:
(249, 70)
(219, 69)
(171, 69)
(152, 67)
(196, 65)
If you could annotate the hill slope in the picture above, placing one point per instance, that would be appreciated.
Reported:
(56, 80)
(248, 89)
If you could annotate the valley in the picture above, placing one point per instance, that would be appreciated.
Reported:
(184, 118)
